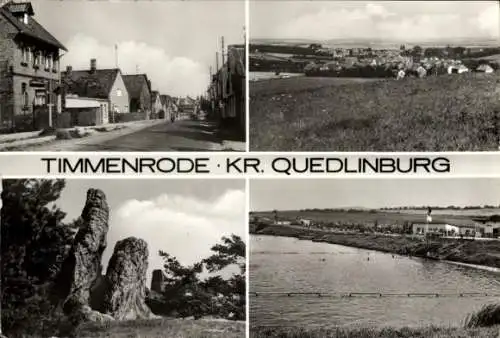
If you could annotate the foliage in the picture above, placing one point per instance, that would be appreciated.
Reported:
(489, 315)
(354, 332)
(34, 245)
(186, 294)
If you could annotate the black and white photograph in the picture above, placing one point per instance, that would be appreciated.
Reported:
(375, 258)
(374, 75)
(122, 75)
(123, 258)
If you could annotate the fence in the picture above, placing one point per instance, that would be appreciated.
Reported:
(376, 294)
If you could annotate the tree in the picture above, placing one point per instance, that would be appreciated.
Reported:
(232, 251)
(33, 248)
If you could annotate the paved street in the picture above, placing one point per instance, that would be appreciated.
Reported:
(183, 135)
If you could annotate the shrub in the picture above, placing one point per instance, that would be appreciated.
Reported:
(489, 315)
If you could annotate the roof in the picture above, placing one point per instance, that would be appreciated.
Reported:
(155, 94)
(33, 29)
(135, 83)
(87, 84)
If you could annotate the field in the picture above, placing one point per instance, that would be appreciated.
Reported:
(443, 113)
(427, 332)
(171, 328)
(383, 216)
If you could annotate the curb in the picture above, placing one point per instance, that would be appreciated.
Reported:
(24, 142)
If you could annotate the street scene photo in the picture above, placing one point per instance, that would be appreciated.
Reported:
(122, 76)
(375, 258)
(123, 258)
(374, 75)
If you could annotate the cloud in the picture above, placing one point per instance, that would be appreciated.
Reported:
(177, 76)
(185, 227)
(386, 20)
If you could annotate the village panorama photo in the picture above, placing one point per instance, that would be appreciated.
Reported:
(375, 258)
(123, 258)
(374, 75)
(122, 75)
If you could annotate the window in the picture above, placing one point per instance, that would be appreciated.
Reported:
(40, 98)
(24, 94)
(37, 59)
(55, 64)
(48, 61)
(118, 92)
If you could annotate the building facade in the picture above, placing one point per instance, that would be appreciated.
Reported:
(435, 228)
(29, 70)
(98, 84)
(139, 89)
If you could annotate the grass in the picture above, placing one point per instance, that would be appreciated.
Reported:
(486, 253)
(426, 332)
(382, 216)
(442, 113)
(171, 328)
(489, 315)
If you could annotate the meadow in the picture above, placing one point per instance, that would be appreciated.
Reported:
(157, 328)
(441, 113)
(426, 332)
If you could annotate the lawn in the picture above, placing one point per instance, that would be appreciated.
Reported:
(426, 332)
(157, 328)
(442, 113)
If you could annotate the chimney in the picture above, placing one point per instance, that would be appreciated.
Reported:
(68, 70)
(93, 65)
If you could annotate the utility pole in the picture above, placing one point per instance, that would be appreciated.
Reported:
(222, 49)
(116, 55)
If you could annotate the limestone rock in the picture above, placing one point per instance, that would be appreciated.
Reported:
(126, 281)
(83, 265)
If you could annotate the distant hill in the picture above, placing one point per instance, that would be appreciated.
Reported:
(382, 43)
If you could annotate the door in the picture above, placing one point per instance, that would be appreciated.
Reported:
(104, 114)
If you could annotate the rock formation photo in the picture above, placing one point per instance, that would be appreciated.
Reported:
(91, 276)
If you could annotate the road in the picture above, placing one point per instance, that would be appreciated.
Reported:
(183, 135)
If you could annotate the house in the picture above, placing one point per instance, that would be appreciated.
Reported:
(305, 222)
(228, 91)
(435, 228)
(164, 106)
(100, 84)
(156, 106)
(139, 89)
(85, 111)
(29, 70)
(490, 226)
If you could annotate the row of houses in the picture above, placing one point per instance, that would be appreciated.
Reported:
(488, 227)
(35, 93)
(225, 98)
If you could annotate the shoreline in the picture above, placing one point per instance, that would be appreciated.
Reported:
(450, 251)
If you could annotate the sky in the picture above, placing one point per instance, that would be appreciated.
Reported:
(294, 194)
(182, 217)
(173, 42)
(393, 20)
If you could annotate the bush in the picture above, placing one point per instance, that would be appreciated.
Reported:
(489, 315)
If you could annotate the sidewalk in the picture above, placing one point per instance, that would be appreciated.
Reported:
(31, 141)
